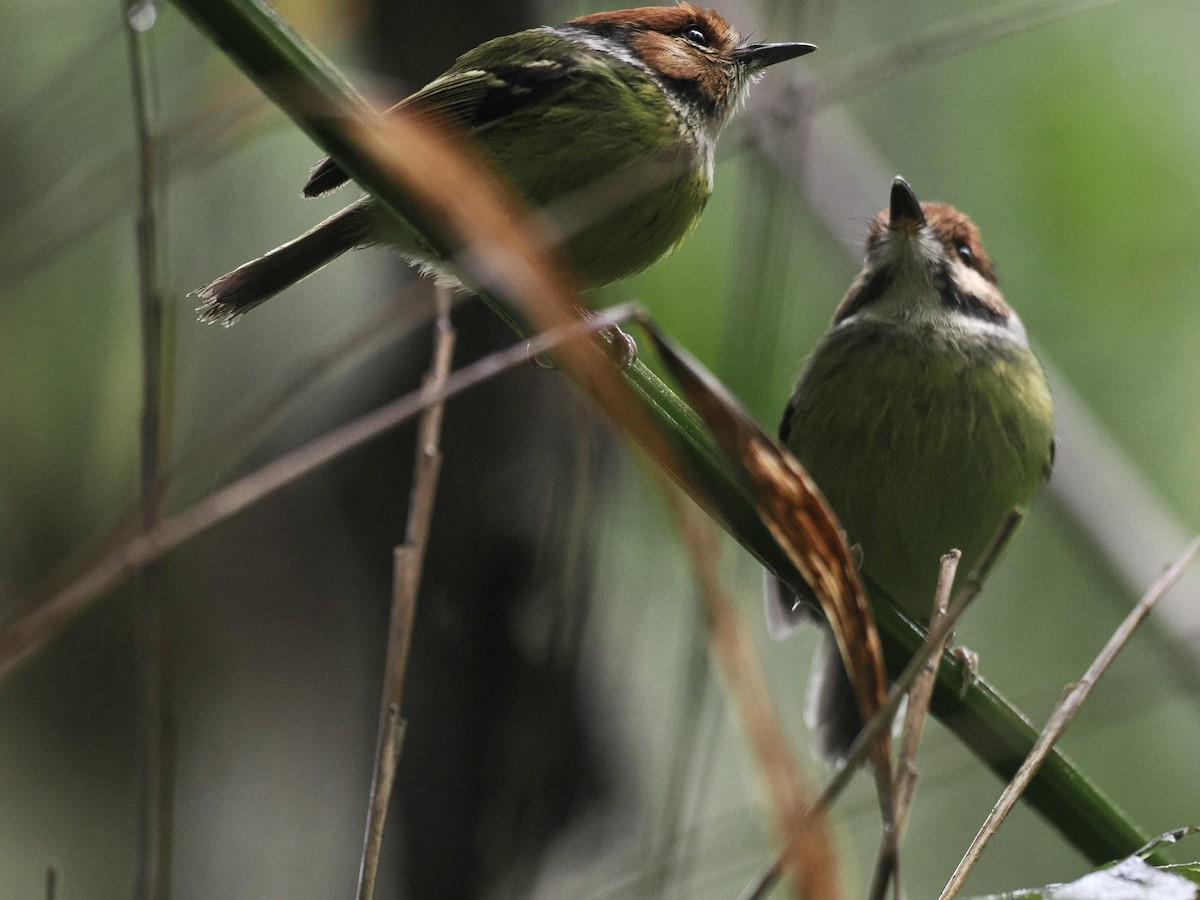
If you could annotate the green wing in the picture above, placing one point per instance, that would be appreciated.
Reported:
(493, 80)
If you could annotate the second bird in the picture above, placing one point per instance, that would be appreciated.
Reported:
(922, 415)
(573, 113)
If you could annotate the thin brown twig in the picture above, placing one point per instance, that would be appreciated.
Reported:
(919, 698)
(391, 738)
(766, 880)
(887, 864)
(406, 579)
(808, 853)
(887, 857)
(22, 640)
(154, 745)
(1061, 717)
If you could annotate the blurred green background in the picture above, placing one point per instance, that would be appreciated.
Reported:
(568, 735)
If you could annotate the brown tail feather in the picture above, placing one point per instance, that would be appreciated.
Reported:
(325, 176)
(233, 294)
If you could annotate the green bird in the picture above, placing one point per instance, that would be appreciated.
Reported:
(609, 122)
(923, 416)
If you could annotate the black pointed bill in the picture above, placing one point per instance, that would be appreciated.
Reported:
(906, 209)
(759, 56)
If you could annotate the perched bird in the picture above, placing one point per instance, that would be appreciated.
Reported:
(572, 115)
(922, 415)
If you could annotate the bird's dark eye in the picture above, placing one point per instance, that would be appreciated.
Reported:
(695, 35)
(964, 252)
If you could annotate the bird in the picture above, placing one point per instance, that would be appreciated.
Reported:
(923, 416)
(570, 115)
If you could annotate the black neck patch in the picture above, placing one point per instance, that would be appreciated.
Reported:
(949, 293)
(868, 292)
(953, 297)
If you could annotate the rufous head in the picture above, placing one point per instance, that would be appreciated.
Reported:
(926, 260)
(692, 49)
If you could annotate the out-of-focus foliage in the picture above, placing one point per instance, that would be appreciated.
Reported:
(1075, 148)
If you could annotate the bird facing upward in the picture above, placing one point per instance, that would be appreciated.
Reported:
(924, 417)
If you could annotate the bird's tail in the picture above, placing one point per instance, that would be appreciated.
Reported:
(233, 294)
(830, 709)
